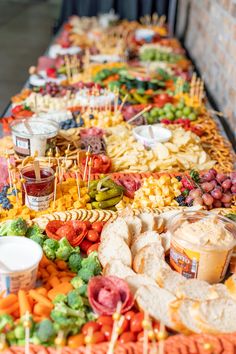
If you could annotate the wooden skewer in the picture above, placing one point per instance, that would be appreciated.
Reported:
(60, 342)
(86, 163)
(27, 325)
(162, 335)
(118, 321)
(37, 170)
(146, 327)
(122, 103)
(55, 189)
(139, 114)
(89, 170)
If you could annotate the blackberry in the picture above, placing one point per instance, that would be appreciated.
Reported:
(180, 199)
(91, 116)
(178, 178)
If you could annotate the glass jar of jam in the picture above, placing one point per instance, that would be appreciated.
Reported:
(37, 194)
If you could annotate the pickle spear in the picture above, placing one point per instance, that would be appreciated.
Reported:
(111, 193)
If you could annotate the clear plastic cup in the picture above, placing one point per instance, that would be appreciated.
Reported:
(201, 245)
(19, 260)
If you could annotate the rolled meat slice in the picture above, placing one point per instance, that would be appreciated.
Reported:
(105, 293)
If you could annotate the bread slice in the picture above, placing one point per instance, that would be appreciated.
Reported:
(196, 289)
(148, 221)
(165, 240)
(217, 316)
(114, 247)
(230, 284)
(145, 239)
(117, 268)
(137, 280)
(183, 314)
(134, 224)
(169, 279)
(156, 302)
(149, 260)
(117, 227)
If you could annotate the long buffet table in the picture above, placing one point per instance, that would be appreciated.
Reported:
(117, 200)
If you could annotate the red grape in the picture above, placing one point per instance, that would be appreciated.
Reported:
(213, 172)
(233, 188)
(195, 193)
(227, 205)
(198, 201)
(226, 184)
(207, 177)
(207, 186)
(216, 193)
(220, 177)
(207, 198)
(226, 198)
(189, 199)
(217, 204)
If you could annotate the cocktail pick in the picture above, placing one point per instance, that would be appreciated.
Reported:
(146, 327)
(27, 325)
(161, 336)
(122, 103)
(118, 321)
(89, 170)
(55, 188)
(67, 152)
(88, 341)
(75, 168)
(37, 170)
(86, 163)
(7, 156)
(15, 187)
(57, 155)
(3, 343)
(139, 114)
(162, 20)
(154, 19)
(22, 180)
(49, 154)
(60, 342)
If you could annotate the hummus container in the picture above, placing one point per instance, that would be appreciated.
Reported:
(28, 142)
(158, 134)
(19, 260)
(202, 244)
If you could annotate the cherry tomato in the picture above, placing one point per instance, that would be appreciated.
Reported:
(136, 322)
(75, 341)
(90, 326)
(97, 226)
(129, 315)
(66, 231)
(84, 245)
(92, 236)
(88, 224)
(105, 320)
(124, 326)
(93, 248)
(140, 336)
(98, 337)
(127, 337)
(107, 330)
(52, 228)
(156, 327)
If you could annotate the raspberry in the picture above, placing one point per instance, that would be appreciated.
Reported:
(187, 184)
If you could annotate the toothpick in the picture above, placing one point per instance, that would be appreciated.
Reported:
(49, 157)
(162, 334)
(75, 168)
(89, 170)
(15, 187)
(88, 341)
(55, 189)
(86, 163)
(122, 103)
(139, 114)
(146, 327)
(22, 180)
(59, 341)
(3, 342)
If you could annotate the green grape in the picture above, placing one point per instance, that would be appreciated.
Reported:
(186, 111)
(179, 114)
(192, 116)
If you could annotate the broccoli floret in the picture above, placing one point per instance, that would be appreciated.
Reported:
(6, 321)
(85, 274)
(65, 249)
(82, 290)
(77, 282)
(76, 249)
(74, 300)
(17, 227)
(92, 264)
(49, 247)
(34, 230)
(75, 260)
(45, 331)
(38, 239)
(60, 298)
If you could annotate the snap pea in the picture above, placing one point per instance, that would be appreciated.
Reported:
(111, 193)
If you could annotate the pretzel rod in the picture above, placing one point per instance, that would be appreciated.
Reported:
(139, 114)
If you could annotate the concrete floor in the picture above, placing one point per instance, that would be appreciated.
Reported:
(25, 33)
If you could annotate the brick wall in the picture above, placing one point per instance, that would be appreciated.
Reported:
(211, 41)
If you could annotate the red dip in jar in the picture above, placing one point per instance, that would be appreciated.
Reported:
(37, 194)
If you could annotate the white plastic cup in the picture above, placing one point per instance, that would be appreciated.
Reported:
(19, 260)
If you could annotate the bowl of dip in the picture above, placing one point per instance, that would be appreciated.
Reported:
(149, 135)
(202, 244)
(35, 138)
(19, 260)
(144, 34)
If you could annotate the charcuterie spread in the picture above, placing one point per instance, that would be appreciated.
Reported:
(117, 200)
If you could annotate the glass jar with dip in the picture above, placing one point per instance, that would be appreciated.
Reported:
(37, 193)
(33, 135)
(201, 245)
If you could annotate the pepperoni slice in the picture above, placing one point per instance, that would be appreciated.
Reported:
(80, 232)
(52, 228)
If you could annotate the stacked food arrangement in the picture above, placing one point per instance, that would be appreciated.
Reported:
(117, 200)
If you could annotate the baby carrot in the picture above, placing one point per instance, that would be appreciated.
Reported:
(42, 291)
(44, 262)
(8, 301)
(51, 269)
(9, 310)
(40, 298)
(54, 281)
(41, 310)
(62, 288)
(61, 265)
(65, 279)
(23, 302)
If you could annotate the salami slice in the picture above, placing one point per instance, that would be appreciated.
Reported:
(104, 293)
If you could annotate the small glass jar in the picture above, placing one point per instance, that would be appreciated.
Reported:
(201, 245)
(37, 194)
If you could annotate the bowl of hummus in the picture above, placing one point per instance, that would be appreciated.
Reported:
(202, 244)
